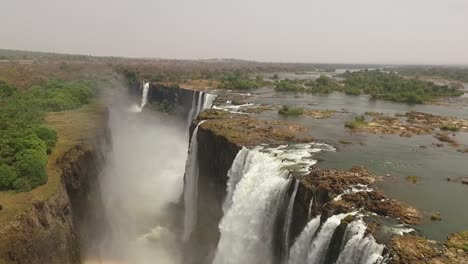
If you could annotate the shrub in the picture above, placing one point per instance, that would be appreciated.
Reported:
(289, 85)
(290, 111)
(6, 90)
(452, 128)
(22, 184)
(46, 134)
(357, 122)
(7, 177)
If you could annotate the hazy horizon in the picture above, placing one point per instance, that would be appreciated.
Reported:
(337, 31)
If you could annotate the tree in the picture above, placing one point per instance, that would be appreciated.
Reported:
(7, 177)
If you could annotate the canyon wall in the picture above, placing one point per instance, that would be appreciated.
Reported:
(51, 230)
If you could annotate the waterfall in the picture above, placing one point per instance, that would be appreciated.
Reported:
(192, 109)
(199, 104)
(234, 176)
(144, 97)
(208, 100)
(318, 248)
(191, 186)
(204, 101)
(248, 225)
(359, 249)
(298, 252)
(288, 220)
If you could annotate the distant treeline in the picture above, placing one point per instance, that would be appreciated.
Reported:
(449, 73)
(25, 141)
(378, 84)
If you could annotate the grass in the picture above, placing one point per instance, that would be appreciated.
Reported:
(357, 122)
(459, 240)
(73, 127)
(450, 128)
(413, 179)
(291, 111)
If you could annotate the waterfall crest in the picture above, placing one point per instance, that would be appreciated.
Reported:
(203, 102)
(319, 246)
(191, 186)
(298, 252)
(208, 100)
(359, 249)
(248, 224)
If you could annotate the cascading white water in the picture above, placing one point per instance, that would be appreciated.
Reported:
(359, 249)
(288, 219)
(298, 252)
(199, 104)
(234, 176)
(191, 186)
(144, 99)
(191, 167)
(192, 109)
(248, 224)
(144, 96)
(318, 248)
(208, 101)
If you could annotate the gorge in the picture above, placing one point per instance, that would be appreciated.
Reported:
(207, 184)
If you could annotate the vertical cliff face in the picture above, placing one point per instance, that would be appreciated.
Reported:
(215, 157)
(52, 230)
(173, 95)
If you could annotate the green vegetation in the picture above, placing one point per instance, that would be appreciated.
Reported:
(290, 86)
(378, 84)
(459, 240)
(164, 106)
(449, 73)
(357, 122)
(25, 141)
(290, 111)
(390, 86)
(240, 81)
(452, 128)
(413, 179)
(323, 85)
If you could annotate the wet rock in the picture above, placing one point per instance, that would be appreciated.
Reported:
(445, 137)
(319, 114)
(414, 249)
(463, 180)
(435, 216)
(327, 185)
(435, 121)
(248, 131)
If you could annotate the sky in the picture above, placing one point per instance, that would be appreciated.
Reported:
(320, 31)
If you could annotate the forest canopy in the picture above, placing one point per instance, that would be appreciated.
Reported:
(25, 141)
